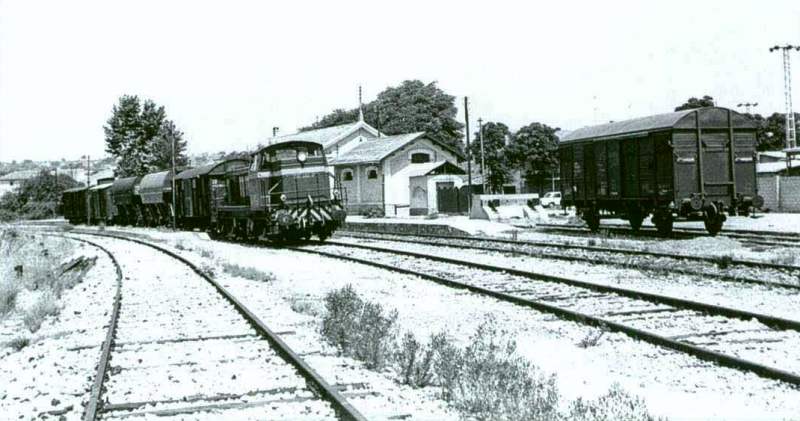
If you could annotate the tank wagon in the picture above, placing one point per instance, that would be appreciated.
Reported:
(692, 164)
(284, 191)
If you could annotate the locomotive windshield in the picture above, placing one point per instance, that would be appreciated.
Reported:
(267, 160)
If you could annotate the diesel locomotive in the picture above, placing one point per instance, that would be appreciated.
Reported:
(694, 164)
(282, 192)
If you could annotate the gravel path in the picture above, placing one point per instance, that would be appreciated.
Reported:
(181, 350)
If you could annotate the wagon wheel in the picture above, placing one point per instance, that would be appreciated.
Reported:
(663, 223)
(592, 219)
(712, 220)
(635, 217)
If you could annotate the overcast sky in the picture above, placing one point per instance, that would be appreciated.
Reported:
(228, 71)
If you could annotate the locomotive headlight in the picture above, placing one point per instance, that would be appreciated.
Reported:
(301, 156)
(283, 198)
(336, 194)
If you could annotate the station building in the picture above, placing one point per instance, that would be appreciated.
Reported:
(400, 175)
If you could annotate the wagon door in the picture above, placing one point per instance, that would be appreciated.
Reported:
(716, 168)
(630, 168)
(590, 172)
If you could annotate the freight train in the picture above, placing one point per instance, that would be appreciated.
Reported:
(694, 164)
(283, 192)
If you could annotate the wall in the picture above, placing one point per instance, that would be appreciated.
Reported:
(398, 193)
(780, 193)
(362, 193)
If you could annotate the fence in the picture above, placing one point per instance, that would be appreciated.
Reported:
(780, 193)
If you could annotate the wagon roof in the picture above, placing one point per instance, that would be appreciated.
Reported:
(124, 184)
(75, 189)
(287, 143)
(207, 169)
(101, 186)
(709, 117)
(154, 181)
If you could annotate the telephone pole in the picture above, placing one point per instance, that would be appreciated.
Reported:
(483, 160)
(88, 186)
(469, 157)
(174, 205)
(791, 140)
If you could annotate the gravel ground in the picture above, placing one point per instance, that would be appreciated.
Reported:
(779, 302)
(744, 339)
(167, 318)
(672, 383)
(54, 374)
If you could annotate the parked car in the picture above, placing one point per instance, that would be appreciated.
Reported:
(551, 199)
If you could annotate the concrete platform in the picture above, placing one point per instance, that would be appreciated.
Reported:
(444, 225)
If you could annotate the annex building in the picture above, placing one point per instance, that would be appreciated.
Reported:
(407, 174)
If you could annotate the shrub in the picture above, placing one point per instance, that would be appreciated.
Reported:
(18, 343)
(495, 383)
(723, 262)
(358, 328)
(591, 339)
(206, 254)
(415, 362)
(8, 297)
(303, 305)
(44, 306)
(247, 272)
(447, 363)
(615, 405)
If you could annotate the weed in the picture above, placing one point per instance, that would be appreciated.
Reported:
(208, 270)
(18, 343)
(496, 383)
(785, 258)
(247, 272)
(358, 328)
(303, 305)
(44, 306)
(617, 404)
(8, 297)
(206, 254)
(447, 363)
(724, 261)
(592, 242)
(180, 246)
(415, 362)
(591, 339)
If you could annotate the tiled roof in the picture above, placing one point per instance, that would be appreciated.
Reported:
(376, 149)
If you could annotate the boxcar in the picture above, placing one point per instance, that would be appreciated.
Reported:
(74, 205)
(126, 201)
(693, 163)
(194, 190)
(155, 191)
(101, 203)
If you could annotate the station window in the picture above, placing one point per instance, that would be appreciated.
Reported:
(347, 175)
(372, 173)
(420, 158)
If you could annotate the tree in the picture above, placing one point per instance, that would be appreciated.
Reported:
(772, 131)
(692, 103)
(533, 151)
(494, 147)
(37, 197)
(411, 107)
(137, 136)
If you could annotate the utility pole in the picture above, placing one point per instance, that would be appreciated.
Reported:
(469, 157)
(747, 105)
(791, 141)
(483, 160)
(174, 205)
(88, 186)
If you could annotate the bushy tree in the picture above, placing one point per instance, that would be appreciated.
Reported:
(413, 106)
(772, 130)
(494, 146)
(533, 150)
(37, 197)
(692, 103)
(137, 136)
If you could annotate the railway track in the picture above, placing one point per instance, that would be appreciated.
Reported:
(734, 270)
(756, 238)
(192, 350)
(753, 342)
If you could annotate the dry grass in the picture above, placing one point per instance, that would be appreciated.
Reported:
(616, 404)
(247, 272)
(33, 316)
(8, 297)
(591, 339)
(18, 343)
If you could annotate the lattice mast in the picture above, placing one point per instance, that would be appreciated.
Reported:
(791, 135)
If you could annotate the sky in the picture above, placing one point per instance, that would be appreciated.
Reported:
(228, 71)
